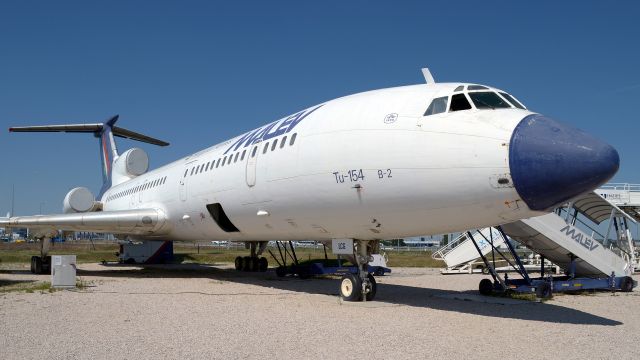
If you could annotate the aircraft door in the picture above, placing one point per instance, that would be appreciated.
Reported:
(182, 190)
(184, 182)
(252, 161)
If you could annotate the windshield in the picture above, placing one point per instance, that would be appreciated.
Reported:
(438, 105)
(512, 100)
(488, 100)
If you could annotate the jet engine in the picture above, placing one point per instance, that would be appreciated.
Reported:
(133, 162)
(79, 200)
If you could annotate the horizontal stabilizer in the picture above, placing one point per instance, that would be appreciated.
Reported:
(128, 134)
(91, 128)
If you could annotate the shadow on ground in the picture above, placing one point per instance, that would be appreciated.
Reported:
(387, 293)
(7, 282)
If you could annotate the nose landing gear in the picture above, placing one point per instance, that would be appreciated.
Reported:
(360, 286)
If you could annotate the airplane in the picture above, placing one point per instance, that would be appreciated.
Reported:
(431, 158)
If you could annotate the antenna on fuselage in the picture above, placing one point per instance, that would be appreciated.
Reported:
(427, 76)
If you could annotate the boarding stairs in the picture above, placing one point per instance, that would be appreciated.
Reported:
(461, 255)
(572, 237)
(623, 195)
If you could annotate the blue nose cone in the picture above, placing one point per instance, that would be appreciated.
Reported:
(551, 162)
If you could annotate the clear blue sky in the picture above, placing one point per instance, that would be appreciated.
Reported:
(195, 73)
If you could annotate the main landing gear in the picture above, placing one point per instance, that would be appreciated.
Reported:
(42, 264)
(255, 262)
(362, 285)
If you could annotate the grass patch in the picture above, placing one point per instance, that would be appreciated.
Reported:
(85, 252)
(82, 284)
(521, 296)
(8, 286)
(189, 253)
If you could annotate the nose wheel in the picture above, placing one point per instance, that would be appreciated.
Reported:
(360, 286)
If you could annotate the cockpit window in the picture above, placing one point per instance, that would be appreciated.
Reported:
(488, 100)
(513, 101)
(438, 105)
(459, 102)
(477, 87)
(459, 88)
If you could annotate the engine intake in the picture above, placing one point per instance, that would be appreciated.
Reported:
(79, 200)
(133, 162)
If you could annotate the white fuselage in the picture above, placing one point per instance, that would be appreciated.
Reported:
(366, 166)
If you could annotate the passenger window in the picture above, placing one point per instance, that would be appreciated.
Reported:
(293, 139)
(273, 146)
(459, 102)
(186, 172)
(266, 146)
(438, 105)
(253, 153)
(224, 161)
(244, 152)
(192, 170)
(283, 142)
(235, 159)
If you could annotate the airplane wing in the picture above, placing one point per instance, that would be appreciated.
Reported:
(134, 222)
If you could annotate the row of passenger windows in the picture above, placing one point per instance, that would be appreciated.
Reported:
(239, 156)
(136, 189)
(481, 100)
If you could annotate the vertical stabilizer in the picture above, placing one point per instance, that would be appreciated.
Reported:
(108, 152)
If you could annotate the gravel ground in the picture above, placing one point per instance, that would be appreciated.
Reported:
(198, 312)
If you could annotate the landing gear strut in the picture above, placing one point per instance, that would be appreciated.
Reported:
(42, 264)
(255, 262)
(362, 285)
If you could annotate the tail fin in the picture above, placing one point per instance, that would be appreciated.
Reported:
(105, 133)
(108, 152)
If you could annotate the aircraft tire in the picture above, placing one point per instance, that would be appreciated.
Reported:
(543, 291)
(374, 288)
(281, 271)
(263, 264)
(238, 263)
(255, 264)
(33, 264)
(626, 285)
(38, 265)
(350, 287)
(246, 263)
(485, 287)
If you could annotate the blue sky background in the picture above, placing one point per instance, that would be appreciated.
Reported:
(195, 73)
